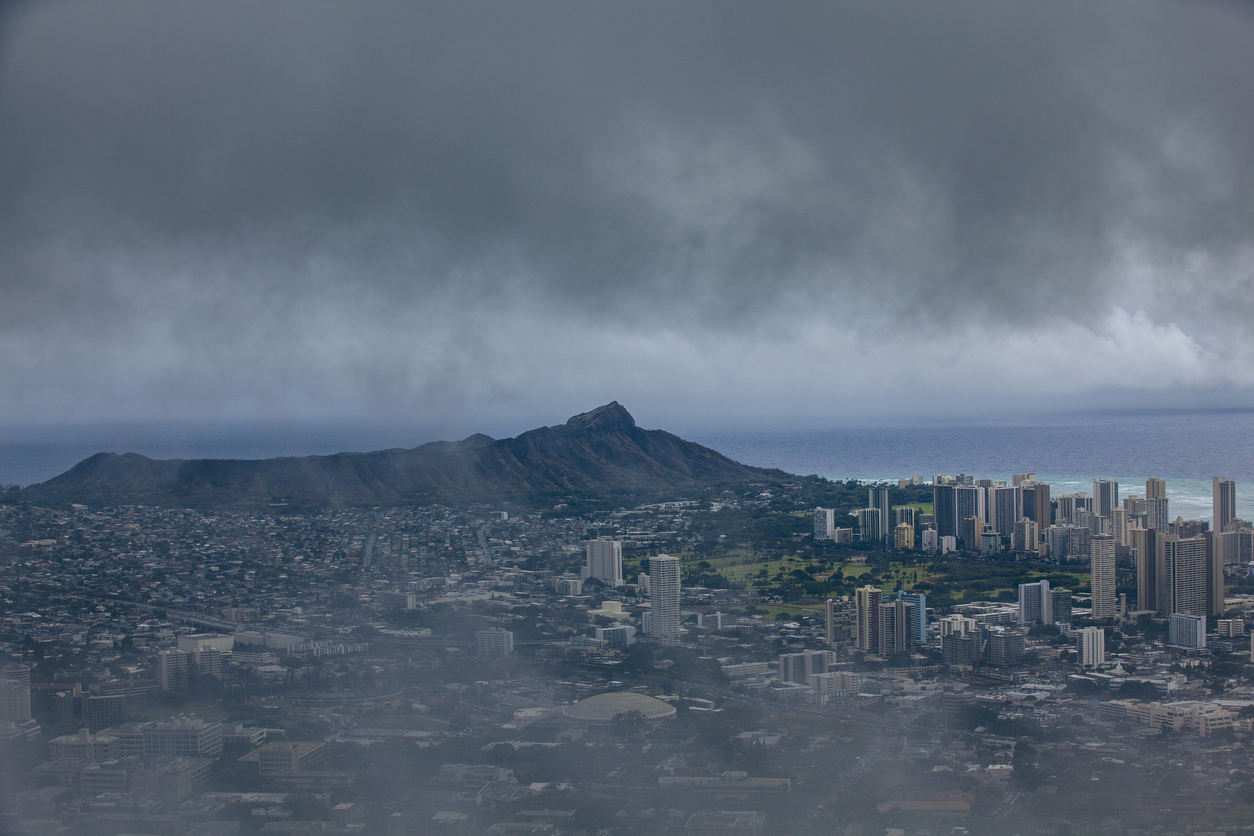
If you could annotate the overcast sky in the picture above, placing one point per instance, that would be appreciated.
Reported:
(714, 212)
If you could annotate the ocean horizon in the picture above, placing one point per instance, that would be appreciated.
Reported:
(1186, 448)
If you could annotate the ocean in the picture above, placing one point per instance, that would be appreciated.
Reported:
(1186, 448)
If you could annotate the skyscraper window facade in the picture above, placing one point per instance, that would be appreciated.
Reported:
(604, 561)
(1102, 575)
(664, 599)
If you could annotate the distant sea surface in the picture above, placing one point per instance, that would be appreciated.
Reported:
(1186, 448)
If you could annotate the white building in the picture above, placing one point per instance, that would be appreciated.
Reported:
(1185, 630)
(494, 641)
(604, 561)
(1035, 603)
(664, 599)
(1092, 646)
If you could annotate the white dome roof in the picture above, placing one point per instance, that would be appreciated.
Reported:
(603, 708)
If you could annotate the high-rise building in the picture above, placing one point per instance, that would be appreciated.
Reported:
(842, 622)
(799, 667)
(968, 503)
(905, 514)
(1185, 630)
(1078, 541)
(1007, 509)
(1092, 646)
(1069, 508)
(1035, 604)
(917, 599)
(898, 627)
(1005, 647)
(824, 523)
(867, 600)
(1158, 514)
(963, 649)
(879, 500)
(1238, 546)
(869, 525)
(1119, 526)
(604, 561)
(1105, 496)
(1037, 507)
(1224, 509)
(903, 537)
(1185, 575)
(1059, 541)
(945, 510)
(101, 711)
(1148, 556)
(664, 599)
(972, 528)
(1024, 538)
(171, 670)
(1102, 575)
(15, 692)
(1060, 605)
(620, 636)
(494, 641)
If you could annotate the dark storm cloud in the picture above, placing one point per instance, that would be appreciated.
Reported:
(287, 206)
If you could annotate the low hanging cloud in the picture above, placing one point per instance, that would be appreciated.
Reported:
(708, 211)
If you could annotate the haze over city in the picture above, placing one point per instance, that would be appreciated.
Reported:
(490, 216)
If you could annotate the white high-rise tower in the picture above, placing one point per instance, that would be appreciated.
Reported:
(664, 599)
(605, 561)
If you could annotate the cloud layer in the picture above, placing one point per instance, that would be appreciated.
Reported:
(708, 211)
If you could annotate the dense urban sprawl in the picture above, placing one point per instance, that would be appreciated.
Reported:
(962, 656)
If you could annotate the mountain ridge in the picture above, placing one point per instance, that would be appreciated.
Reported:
(598, 452)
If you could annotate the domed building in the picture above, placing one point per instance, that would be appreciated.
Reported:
(597, 713)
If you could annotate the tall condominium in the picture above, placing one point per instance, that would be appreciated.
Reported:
(824, 523)
(1060, 605)
(905, 514)
(1024, 537)
(604, 561)
(1224, 494)
(1188, 631)
(898, 627)
(1092, 646)
(867, 600)
(869, 525)
(1156, 506)
(945, 510)
(1119, 525)
(664, 599)
(1148, 556)
(1186, 575)
(968, 503)
(1036, 506)
(1035, 603)
(1007, 509)
(917, 599)
(879, 500)
(1102, 575)
(1105, 496)
(842, 621)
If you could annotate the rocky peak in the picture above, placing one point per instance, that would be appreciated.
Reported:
(606, 418)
